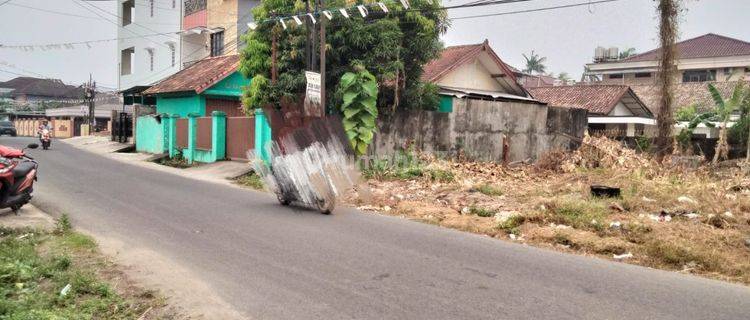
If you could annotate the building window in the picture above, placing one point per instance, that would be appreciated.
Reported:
(217, 43)
(747, 69)
(151, 7)
(172, 53)
(616, 76)
(643, 75)
(150, 59)
(174, 4)
(128, 12)
(126, 61)
(699, 75)
(727, 71)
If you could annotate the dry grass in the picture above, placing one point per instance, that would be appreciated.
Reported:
(688, 220)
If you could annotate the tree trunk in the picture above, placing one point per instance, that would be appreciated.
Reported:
(722, 147)
(747, 157)
(668, 10)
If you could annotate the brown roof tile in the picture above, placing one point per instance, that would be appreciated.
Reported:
(705, 46)
(199, 76)
(597, 99)
(685, 94)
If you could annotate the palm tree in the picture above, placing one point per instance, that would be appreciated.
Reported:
(627, 53)
(723, 111)
(564, 77)
(534, 63)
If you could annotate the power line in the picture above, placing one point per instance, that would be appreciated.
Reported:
(4, 2)
(534, 10)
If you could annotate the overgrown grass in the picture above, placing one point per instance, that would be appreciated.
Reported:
(250, 179)
(482, 212)
(178, 161)
(578, 213)
(489, 190)
(50, 275)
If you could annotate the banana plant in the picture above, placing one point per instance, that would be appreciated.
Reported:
(359, 91)
(723, 110)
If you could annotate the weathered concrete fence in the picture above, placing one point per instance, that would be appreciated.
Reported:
(483, 130)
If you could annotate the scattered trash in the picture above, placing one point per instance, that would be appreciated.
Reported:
(622, 256)
(645, 199)
(662, 217)
(615, 224)
(465, 210)
(24, 236)
(692, 215)
(65, 290)
(728, 214)
(605, 191)
(617, 207)
(368, 208)
(747, 243)
(685, 199)
(502, 216)
(512, 236)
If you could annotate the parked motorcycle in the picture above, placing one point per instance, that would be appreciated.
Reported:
(18, 171)
(45, 137)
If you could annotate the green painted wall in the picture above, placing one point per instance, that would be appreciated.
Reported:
(230, 86)
(149, 135)
(181, 105)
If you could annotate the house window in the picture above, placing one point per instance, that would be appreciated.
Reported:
(151, 7)
(643, 75)
(727, 71)
(150, 59)
(747, 69)
(174, 3)
(126, 61)
(616, 76)
(217, 43)
(699, 75)
(128, 12)
(172, 53)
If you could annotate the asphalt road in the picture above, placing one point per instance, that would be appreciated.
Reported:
(273, 262)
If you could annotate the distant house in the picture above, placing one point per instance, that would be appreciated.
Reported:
(31, 91)
(473, 71)
(614, 110)
(710, 57)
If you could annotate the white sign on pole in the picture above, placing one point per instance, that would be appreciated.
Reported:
(313, 87)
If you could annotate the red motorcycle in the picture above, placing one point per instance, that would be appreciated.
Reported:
(17, 176)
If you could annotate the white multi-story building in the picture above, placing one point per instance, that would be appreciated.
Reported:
(148, 48)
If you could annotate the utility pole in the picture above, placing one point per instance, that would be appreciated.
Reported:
(90, 94)
(321, 7)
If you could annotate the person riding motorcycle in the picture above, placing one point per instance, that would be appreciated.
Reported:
(44, 132)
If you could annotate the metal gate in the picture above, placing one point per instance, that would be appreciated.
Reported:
(122, 127)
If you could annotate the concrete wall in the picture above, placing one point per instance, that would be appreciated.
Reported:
(479, 129)
(151, 133)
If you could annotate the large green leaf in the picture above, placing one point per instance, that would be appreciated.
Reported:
(371, 88)
(366, 135)
(349, 97)
(352, 135)
(367, 120)
(716, 95)
(350, 112)
(361, 148)
(347, 80)
(349, 124)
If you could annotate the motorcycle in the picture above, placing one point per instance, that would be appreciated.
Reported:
(45, 138)
(18, 171)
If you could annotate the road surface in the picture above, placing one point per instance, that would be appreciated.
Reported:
(274, 262)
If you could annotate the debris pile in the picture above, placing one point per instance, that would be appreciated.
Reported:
(602, 152)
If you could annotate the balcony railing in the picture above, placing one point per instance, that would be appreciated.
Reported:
(193, 6)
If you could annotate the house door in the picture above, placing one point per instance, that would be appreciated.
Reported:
(233, 108)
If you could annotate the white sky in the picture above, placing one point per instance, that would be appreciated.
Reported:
(567, 37)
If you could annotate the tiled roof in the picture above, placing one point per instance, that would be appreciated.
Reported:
(685, 94)
(705, 46)
(455, 56)
(41, 87)
(597, 99)
(199, 76)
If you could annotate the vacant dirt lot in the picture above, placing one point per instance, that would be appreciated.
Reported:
(693, 219)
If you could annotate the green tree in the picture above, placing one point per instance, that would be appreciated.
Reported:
(627, 53)
(534, 63)
(563, 76)
(394, 46)
(723, 110)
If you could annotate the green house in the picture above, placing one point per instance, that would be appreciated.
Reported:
(211, 84)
